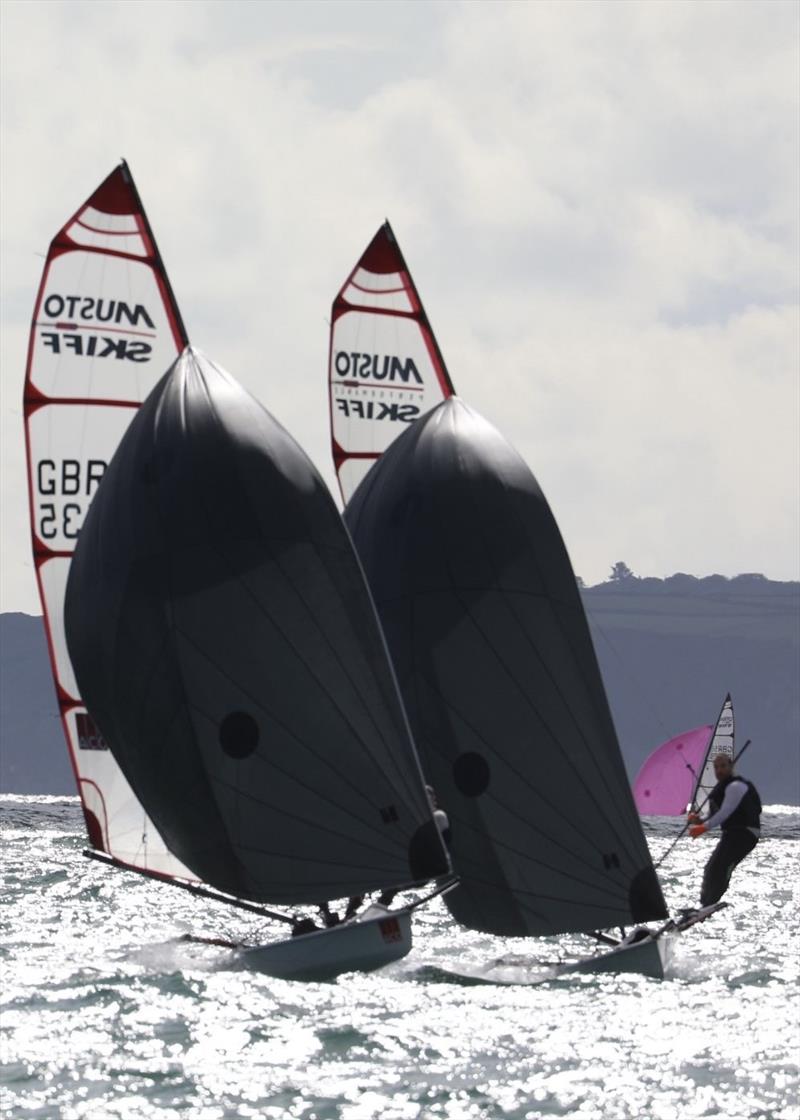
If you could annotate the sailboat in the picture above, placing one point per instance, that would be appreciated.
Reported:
(678, 775)
(385, 368)
(489, 639)
(721, 742)
(492, 651)
(230, 709)
(224, 639)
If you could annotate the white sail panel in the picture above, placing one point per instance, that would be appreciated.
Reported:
(385, 368)
(101, 222)
(71, 446)
(105, 327)
(382, 379)
(116, 822)
(101, 329)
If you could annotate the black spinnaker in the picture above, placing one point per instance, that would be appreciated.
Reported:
(483, 618)
(227, 646)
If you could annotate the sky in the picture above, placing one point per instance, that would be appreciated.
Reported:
(598, 202)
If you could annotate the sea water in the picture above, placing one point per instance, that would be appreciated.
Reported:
(107, 1014)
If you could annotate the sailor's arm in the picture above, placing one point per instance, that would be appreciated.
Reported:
(730, 802)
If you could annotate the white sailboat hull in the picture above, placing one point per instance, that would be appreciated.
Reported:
(371, 941)
(646, 958)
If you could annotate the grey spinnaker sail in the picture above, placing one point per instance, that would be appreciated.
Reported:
(492, 651)
(226, 644)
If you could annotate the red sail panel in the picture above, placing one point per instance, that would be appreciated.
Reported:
(105, 328)
(385, 368)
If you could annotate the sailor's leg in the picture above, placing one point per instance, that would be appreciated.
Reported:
(731, 849)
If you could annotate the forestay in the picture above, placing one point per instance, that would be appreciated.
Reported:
(722, 742)
(385, 368)
(665, 783)
(491, 646)
(234, 659)
(105, 328)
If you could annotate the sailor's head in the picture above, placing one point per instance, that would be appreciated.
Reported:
(723, 766)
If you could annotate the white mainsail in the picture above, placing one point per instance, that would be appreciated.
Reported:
(722, 742)
(385, 368)
(105, 328)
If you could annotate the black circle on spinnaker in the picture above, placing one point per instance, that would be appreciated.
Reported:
(471, 774)
(238, 734)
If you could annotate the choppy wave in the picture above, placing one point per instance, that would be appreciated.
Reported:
(108, 1016)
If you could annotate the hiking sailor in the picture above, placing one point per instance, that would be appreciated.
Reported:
(736, 808)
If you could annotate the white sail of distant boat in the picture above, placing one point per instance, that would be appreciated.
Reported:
(105, 328)
(721, 742)
(385, 367)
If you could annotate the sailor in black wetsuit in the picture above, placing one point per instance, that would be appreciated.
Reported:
(736, 808)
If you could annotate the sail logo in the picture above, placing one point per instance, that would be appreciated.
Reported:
(376, 410)
(374, 367)
(89, 737)
(66, 311)
(97, 346)
(725, 722)
(94, 310)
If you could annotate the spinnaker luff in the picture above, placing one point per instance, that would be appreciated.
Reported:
(105, 328)
(233, 658)
(385, 368)
(492, 651)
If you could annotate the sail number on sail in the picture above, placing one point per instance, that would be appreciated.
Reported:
(69, 479)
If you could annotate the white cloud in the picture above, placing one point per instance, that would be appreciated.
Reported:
(598, 201)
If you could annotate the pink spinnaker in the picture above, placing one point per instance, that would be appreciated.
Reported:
(666, 782)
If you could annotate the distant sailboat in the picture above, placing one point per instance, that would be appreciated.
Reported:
(679, 774)
(227, 646)
(722, 742)
(492, 651)
(105, 328)
(385, 368)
